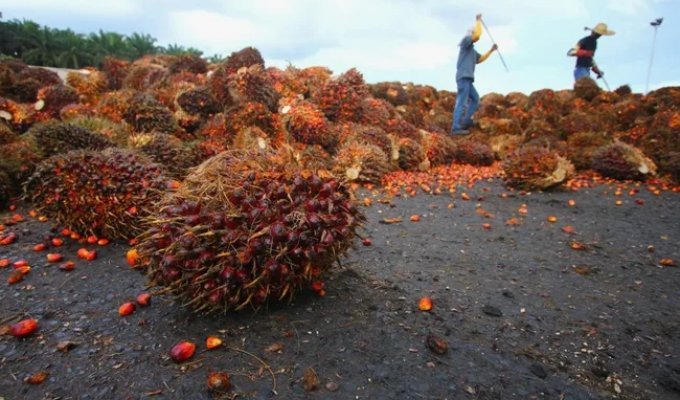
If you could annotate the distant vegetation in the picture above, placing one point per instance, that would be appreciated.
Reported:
(41, 45)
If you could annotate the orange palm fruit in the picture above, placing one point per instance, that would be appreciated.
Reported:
(132, 256)
(425, 303)
(54, 257)
(24, 328)
(143, 299)
(182, 351)
(212, 342)
(126, 309)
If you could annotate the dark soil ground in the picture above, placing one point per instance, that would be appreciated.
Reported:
(525, 315)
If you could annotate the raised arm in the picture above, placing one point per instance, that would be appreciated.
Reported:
(487, 54)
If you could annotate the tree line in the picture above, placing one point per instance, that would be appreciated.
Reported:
(63, 48)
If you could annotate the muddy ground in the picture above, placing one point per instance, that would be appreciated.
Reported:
(525, 315)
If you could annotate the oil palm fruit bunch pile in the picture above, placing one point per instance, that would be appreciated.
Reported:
(536, 167)
(306, 123)
(56, 137)
(198, 101)
(473, 153)
(146, 114)
(166, 150)
(103, 193)
(411, 155)
(245, 229)
(622, 161)
(189, 63)
(586, 89)
(341, 98)
(439, 149)
(51, 99)
(361, 162)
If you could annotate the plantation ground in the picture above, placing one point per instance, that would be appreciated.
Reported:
(525, 315)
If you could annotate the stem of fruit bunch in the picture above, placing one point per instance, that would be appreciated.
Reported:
(264, 364)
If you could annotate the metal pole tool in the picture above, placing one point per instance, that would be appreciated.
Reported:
(656, 23)
(494, 42)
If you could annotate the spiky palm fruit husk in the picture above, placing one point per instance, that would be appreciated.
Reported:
(499, 126)
(7, 135)
(440, 149)
(341, 98)
(115, 70)
(439, 120)
(249, 114)
(19, 158)
(243, 231)
(113, 105)
(188, 63)
(446, 100)
(582, 145)
(57, 137)
(245, 57)
(198, 101)
(393, 92)
(377, 112)
(146, 114)
(15, 115)
(662, 145)
(536, 167)
(543, 102)
(627, 112)
(351, 132)
(103, 193)
(473, 152)
(118, 133)
(411, 155)
(215, 127)
(622, 161)
(504, 145)
(540, 127)
(671, 165)
(283, 82)
(306, 123)
(76, 110)
(7, 78)
(51, 99)
(218, 84)
(667, 98)
(252, 138)
(412, 114)
(551, 142)
(143, 76)
(491, 105)
(402, 129)
(623, 90)
(45, 77)
(165, 150)
(579, 121)
(312, 157)
(252, 84)
(360, 162)
(586, 89)
(89, 86)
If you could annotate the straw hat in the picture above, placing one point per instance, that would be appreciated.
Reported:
(601, 29)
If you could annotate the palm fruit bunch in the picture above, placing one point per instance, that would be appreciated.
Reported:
(503, 145)
(312, 157)
(52, 98)
(341, 98)
(56, 137)
(438, 120)
(251, 138)
(18, 158)
(582, 145)
(252, 84)
(29, 81)
(75, 110)
(198, 101)
(103, 193)
(473, 153)
(439, 149)
(540, 127)
(246, 115)
(361, 162)
(115, 70)
(350, 131)
(115, 132)
(307, 124)
(393, 92)
(244, 230)
(243, 58)
(586, 89)
(411, 155)
(5, 189)
(622, 161)
(402, 128)
(88, 86)
(219, 79)
(7, 135)
(165, 150)
(536, 167)
(16, 115)
(579, 121)
(113, 105)
(146, 114)
(661, 142)
(143, 75)
(188, 63)
(377, 112)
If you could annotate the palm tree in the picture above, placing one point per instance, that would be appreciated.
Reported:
(73, 51)
(179, 50)
(140, 45)
(104, 44)
(40, 44)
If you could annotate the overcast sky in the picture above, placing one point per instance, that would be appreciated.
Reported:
(397, 40)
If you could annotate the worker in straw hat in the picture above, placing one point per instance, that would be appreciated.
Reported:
(585, 50)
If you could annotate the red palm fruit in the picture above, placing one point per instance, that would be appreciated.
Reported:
(182, 351)
(91, 255)
(39, 247)
(425, 303)
(75, 236)
(219, 382)
(24, 328)
(92, 239)
(23, 270)
(67, 266)
(126, 309)
(132, 256)
(367, 242)
(4, 262)
(56, 242)
(8, 239)
(54, 257)
(20, 263)
(212, 342)
(15, 277)
(143, 299)
(103, 242)
(66, 232)
(37, 378)
(82, 253)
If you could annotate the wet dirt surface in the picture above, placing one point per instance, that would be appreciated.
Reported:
(524, 315)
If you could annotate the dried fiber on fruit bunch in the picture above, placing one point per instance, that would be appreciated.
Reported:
(586, 88)
(252, 138)
(18, 159)
(75, 110)
(341, 98)
(543, 102)
(166, 150)
(473, 153)
(582, 145)
(113, 105)
(579, 121)
(446, 100)
(103, 193)
(503, 145)
(23, 90)
(307, 124)
(252, 84)
(411, 155)
(115, 70)
(440, 149)
(117, 133)
(393, 92)
(89, 86)
(57, 137)
(623, 90)
(491, 105)
(622, 161)
(539, 127)
(627, 112)
(402, 129)
(52, 98)
(146, 114)
(312, 157)
(352, 132)
(534, 167)
(361, 162)
(7, 135)
(143, 75)
(244, 230)
(188, 63)
(377, 112)
(16, 115)
(245, 57)
(242, 116)
(198, 101)
(499, 126)
(667, 98)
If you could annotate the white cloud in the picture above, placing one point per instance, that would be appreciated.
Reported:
(73, 7)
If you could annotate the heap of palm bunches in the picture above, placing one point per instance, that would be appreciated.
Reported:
(103, 193)
(622, 161)
(59, 137)
(166, 150)
(536, 167)
(586, 89)
(246, 228)
(361, 162)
